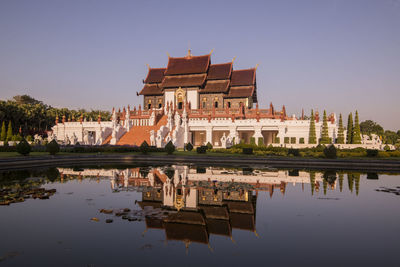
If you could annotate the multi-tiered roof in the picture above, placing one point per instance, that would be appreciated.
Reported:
(198, 72)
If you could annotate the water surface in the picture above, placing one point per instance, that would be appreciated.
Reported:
(193, 216)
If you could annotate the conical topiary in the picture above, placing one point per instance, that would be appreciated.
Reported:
(312, 137)
(356, 131)
(324, 133)
(349, 129)
(340, 138)
(9, 131)
(3, 132)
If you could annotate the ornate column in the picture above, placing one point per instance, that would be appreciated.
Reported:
(209, 134)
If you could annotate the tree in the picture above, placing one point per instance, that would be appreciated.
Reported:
(340, 138)
(23, 148)
(170, 148)
(390, 137)
(330, 152)
(369, 127)
(26, 99)
(356, 131)
(324, 135)
(53, 147)
(349, 129)
(144, 147)
(9, 131)
(3, 132)
(312, 136)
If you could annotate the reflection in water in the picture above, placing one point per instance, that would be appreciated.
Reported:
(190, 204)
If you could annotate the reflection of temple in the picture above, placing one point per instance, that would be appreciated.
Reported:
(199, 201)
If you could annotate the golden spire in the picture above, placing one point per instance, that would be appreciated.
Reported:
(212, 50)
(233, 60)
(168, 55)
(257, 66)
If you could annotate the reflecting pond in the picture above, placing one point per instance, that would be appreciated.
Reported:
(192, 216)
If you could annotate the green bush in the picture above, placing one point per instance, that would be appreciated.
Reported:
(372, 152)
(294, 152)
(53, 147)
(209, 146)
(29, 138)
(293, 140)
(386, 148)
(170, 148)
(201, 149)
(78, 148)
(260, 141)
(301, 140)
(286, 140)
(247, 150)
(330, 152)
(189, 147)
(144, 147)
(252, 140)
(23, 148)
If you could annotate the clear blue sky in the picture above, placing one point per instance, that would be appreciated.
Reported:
(338, 55)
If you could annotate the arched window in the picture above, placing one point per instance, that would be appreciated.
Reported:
(180, 101)
(149, 106)
(216, 104)
(229, 104)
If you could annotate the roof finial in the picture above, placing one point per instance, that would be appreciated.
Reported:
(233, 60)
(168, 55)
(257, 66)
(148, 66)
(212, 50)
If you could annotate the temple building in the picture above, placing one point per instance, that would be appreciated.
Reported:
(194, 101)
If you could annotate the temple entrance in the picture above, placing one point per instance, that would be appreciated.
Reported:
(198, 138)
(216, 137)
(245, 136)
(180, 105)
(269, 137)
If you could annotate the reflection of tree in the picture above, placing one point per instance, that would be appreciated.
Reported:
(357, 181)
(341, 177)
(144, 171)
(170, 173)
(52, 174)
(350, 181)
(312, 182)
(329, 178)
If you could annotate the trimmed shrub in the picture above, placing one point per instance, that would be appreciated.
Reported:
(209, 146)
(301, 140)
(277, 140)
(144, 147)
(386, 148)
(23, 148)
(247, 150)
(201, 149)
(294, 152)
(330, 152)
(260, 141)
(170, 148)
(29, 138)
(252, 140)
(372, 152)
(78, 148)
(189, 147)
(286, 140)
(53, 147)
(293, 140)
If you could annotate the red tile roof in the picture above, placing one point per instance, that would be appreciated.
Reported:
(240, 91)
(243, 77)
(151, 89)
(183, 80)
(155, 75)
(187, 65)
(216, 86)
(220, 71)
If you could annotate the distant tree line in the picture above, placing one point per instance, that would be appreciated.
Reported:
(34, 117)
